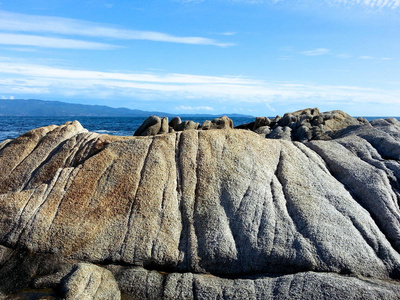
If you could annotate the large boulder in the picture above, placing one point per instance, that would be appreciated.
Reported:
(186, 125)
(175, 122)
(222, 123)
(202, 214)
(150, 126)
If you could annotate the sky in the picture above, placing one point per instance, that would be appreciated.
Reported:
(254, 57)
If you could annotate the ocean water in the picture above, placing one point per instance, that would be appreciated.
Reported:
(12, 127)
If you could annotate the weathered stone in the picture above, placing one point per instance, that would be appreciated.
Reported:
(87, 281)
(164, 126)
(207, 124)
(222, 123)
(187, 125)
(279, 132)
(261, 122)
(264, 130)
(175, 122)
(150, 126)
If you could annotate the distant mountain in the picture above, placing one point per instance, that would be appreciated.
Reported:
(37, 108)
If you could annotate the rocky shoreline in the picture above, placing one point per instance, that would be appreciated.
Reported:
(303, 125)
(300, 207)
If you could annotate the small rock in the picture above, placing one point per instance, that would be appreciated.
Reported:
(90, 282)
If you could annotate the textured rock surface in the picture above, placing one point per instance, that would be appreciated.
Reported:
(304, 125)
(87, 281)
(268, 218)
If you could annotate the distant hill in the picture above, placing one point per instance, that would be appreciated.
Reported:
(37, 108)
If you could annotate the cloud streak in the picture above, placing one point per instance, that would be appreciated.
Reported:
(23, 79)
(47, 42)
(392, 4)
(42, 24)
(193, 108)
(316, 52)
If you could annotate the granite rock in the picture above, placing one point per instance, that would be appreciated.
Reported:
(204, 213)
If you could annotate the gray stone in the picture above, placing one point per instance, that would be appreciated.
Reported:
(261, 122)
(175, 122)
(87, 281)
(164, 126)
(222, 123)
(279, 132)
(207, 124)
(150, 126)
(263, 130)
(187, 125)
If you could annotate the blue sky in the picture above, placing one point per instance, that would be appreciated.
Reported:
(257, 57)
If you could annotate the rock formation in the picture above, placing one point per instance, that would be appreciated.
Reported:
(204, 214)
(154, 125)
(303, 125)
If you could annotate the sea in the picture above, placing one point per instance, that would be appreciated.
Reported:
(12, 127)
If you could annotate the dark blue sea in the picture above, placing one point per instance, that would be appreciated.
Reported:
(12, 127)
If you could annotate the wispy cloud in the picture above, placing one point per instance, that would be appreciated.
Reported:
(26, 79)
(365, 57)
(47, 42)
(316, 52)
(43, 24)
(392, 4)
(193, 108)
(228, 33)
(343, 55)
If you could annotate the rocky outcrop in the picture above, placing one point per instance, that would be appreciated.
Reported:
(203, 214)
(303, 125)
(154, 125)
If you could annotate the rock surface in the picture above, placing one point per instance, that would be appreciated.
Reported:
(203, 214)
(304, 125)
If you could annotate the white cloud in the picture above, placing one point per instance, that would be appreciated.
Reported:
(316, 52)
(365, 57)
(47, 42)
(228, 33)
(343, 55)
(42, 24)
(29, 79)
(7, 97)
(193, 108)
